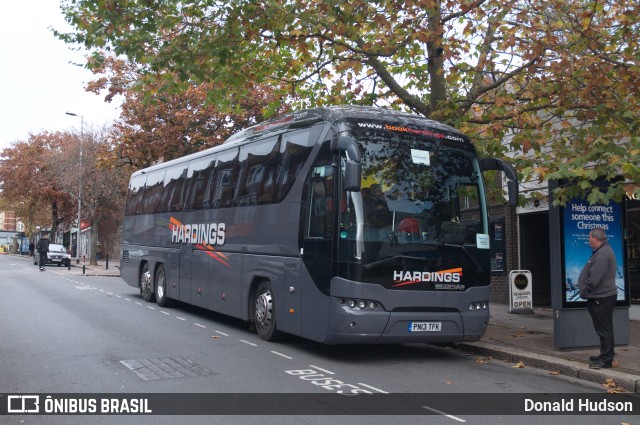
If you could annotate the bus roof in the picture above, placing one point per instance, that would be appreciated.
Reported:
(334, 115)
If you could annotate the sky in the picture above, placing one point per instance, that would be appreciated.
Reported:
(39, 82)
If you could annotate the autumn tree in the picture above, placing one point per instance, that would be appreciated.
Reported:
(159, 124)
(552, 83)
(79, 169)
(29, 185)
(43, 177)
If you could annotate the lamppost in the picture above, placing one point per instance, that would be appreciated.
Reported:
(78, 244)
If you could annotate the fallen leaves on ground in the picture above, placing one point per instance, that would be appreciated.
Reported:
(518, 365)
(612, 386)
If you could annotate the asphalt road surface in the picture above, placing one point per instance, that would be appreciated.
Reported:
(90, 338)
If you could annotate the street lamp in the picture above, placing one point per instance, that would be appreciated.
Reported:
(79, 246)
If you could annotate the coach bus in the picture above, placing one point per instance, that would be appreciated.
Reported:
(339, 225)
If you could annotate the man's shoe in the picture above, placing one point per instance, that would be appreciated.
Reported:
(599, 364)
(594, 358)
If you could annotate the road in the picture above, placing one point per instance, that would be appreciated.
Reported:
(63, 333)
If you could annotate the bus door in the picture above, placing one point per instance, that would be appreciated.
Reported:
(317, 242)
(319, 225)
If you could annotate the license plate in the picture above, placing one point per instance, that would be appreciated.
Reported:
(425, 326)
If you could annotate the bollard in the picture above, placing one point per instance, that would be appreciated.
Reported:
(83, 266)
(69, 265)
(107, 266)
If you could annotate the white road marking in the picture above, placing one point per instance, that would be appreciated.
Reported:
(455, 418)
(249, 343)
(198, 324)
(282, 355)
(321, 369)
(222, 333)
(373, 388)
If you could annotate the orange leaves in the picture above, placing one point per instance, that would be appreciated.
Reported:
(612, 387)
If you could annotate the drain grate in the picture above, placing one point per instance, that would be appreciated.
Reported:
(165, 368)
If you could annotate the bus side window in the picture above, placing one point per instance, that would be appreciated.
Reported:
(318, 210)
(135, 195)
(294, 151)
(226, 175)
(197, 182)
(256, 161)
(153, 193)
(321, 202)
(174, 188)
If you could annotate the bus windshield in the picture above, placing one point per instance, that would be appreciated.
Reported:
(421, 207)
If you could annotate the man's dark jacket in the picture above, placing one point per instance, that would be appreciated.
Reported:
(598, 277)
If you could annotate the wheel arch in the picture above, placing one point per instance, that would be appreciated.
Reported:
(141, 268)
(255, 281)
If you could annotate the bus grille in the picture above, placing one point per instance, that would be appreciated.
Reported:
(426, 310)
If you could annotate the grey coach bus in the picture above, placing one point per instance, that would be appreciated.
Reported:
(340, 225)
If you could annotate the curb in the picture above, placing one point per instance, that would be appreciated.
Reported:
(623, 381)
(92, 272)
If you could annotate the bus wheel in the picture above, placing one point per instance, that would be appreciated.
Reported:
(265, 313)
(161, 287)
(145, 284)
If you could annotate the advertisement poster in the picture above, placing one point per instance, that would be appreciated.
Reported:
(579, 218)
(496, 232)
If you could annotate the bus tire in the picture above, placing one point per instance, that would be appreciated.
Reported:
(161, 287)
(265, 312)
(146, 284)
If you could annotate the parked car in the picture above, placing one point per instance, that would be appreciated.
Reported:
(56, 255)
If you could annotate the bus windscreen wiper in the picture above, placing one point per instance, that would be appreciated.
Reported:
(391, 258)
(467, 254)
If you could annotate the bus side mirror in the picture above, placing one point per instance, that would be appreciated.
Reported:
(512, 178)
(348, 145)
(352, 173)
(353, 168)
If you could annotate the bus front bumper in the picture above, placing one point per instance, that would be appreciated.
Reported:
(405, 316)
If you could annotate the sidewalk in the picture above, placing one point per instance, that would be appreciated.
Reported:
(99, 270)
(528, 340)
(77, 268)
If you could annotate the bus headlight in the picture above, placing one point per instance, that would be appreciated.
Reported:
(358, 304)
(479, 305)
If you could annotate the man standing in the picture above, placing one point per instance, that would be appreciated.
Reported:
(43, 248)
(598, 286)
